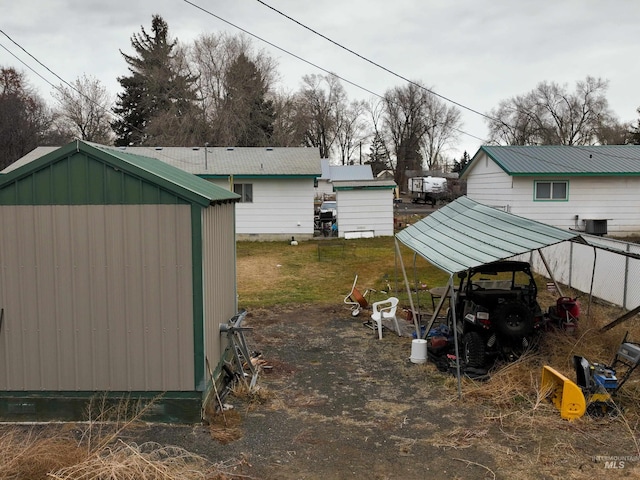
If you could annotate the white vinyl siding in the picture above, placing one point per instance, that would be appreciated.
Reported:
(281, 208)
(614, 198)
(488, 184)
(365, 210)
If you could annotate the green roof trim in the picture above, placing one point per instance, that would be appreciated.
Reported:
(83, 173)
(565, 160)
(254, 176)
(373, 184)
(373, 187)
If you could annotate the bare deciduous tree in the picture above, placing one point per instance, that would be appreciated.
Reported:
(288, 129)
(441, 131)
(84, 110)
(25, 120)
(351, 131)
(322, 102)
(551, 115)
(419, 126)
(213, 59)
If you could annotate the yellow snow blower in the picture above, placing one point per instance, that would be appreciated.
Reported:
(595, 385)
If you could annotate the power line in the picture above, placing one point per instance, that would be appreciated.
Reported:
(362, 57)
(56, 87)
(298, 57)
(26, 64)
(493, 119)
(42, 65)
(90, 100)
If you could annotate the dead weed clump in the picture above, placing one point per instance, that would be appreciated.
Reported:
(252, 396)
(225, 427)
(95, 450)
(32, 455)
(148, 461)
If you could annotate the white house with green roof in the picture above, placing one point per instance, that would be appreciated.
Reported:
(275, 184)
(593, 189)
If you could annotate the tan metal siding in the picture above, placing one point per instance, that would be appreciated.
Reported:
(219, 275)
(96, 298)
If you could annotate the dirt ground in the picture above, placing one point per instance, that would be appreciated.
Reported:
(339, 403)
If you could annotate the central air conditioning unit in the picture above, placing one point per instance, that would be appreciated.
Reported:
(595, 227)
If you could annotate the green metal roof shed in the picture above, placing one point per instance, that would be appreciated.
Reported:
(116, 271)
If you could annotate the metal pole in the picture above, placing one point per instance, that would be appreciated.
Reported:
(452, 306)
(406, 282)
(546, 265)
(593, 274)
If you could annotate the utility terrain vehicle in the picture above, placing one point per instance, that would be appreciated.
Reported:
(497, 312)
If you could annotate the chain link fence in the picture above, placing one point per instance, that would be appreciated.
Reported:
(609, 269)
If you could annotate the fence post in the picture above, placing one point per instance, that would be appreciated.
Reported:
(626, 277)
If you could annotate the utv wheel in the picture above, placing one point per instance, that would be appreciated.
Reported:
(473, 354)
(513, 320)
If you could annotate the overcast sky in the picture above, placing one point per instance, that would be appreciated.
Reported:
(474, 52)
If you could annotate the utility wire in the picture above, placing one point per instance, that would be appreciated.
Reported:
(48, 69)
(298, 57)
(26, 64)
(382, 67)
(90, 100)
(488, 117)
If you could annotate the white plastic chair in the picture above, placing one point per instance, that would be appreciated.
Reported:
(385, 309)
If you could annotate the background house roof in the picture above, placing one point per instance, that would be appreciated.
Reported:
(29, 157)
(219, 161)
(466, 234)
(345, 172)
(596, 160)
(248, 161)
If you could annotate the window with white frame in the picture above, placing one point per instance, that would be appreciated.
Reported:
(245, 190)
(551, 190)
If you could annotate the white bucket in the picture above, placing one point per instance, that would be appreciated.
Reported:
(418, 351)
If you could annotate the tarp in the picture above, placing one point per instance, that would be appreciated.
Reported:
(466, 234)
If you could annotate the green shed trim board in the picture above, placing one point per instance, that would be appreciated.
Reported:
(199, 380)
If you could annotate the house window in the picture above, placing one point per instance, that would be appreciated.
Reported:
(245, 190)
(551, 191)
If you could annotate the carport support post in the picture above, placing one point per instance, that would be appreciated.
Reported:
(452, 306)
(546, 265)
(406, 283)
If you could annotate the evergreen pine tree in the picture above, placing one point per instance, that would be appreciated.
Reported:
(378, 155)
(248, 115)
(158, 102)
(458, 166)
